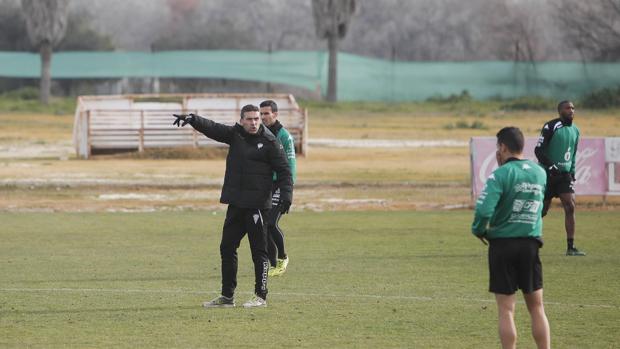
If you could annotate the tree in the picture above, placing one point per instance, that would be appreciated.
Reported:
(331, 20)
(46, 23)
(592, 27)
(13, 29)
(195, 25)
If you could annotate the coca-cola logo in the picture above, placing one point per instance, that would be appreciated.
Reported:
(488, 165)
(591, 174)
(583, 169)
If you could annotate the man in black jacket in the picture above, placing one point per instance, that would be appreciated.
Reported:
(254, 155)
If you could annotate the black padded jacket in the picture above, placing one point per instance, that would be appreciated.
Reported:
(252, 159)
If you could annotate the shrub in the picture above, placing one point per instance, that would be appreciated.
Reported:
(478, 125)
(463, 97)
(530, 103)
(463, 124)
(603, 98)
(26, 99)
(23, 93)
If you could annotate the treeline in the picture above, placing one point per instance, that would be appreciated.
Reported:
(405, 30)
(444, 30)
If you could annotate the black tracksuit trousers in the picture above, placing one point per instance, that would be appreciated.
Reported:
(275, 241)
(240, 221)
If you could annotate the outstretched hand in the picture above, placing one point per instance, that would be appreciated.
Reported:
(187, 119)
(284, 206)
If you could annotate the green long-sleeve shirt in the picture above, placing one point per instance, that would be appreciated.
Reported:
(288, 143)
(557, 145)
(511, 202)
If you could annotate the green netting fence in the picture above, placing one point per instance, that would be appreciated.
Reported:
(359, 78)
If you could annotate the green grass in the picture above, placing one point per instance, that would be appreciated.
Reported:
(26, 100)
(456, 106)
(363, 280)
(25, 120)
(460, 120)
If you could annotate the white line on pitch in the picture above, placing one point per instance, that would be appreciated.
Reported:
(294, 294)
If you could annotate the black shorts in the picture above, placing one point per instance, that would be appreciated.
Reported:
(514, 264)
(559, 184)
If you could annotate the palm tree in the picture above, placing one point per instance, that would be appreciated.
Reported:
(331, 20)
(46, 22)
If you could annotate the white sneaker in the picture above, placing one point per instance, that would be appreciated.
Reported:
(255, 302)
(220, 302)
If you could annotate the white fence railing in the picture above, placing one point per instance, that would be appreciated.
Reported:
(121, 123)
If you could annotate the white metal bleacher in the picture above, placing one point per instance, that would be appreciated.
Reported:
(136, 122)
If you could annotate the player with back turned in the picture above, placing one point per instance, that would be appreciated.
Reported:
(508, 216)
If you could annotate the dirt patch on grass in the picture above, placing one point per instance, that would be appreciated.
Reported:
(389, 160)
(312, 197)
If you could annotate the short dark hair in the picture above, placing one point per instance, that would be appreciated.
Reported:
(270, 103)
(512, 138)
(562, 103)
(247, 108)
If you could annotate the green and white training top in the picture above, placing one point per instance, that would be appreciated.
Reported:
(289, 147)
(511, 202)
(557, 145)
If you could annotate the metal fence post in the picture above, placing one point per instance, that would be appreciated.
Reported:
(87, 155)
(141, 132)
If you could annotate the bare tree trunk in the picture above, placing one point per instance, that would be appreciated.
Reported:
(46, 76)
(331, 19)
(332, 72)
(332, 46)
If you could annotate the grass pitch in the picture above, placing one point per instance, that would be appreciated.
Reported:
(366, 279)
(356, 279)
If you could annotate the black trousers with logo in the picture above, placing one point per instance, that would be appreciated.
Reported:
(275, 241)
(241, 221)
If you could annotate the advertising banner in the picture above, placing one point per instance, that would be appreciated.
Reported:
(591, 171)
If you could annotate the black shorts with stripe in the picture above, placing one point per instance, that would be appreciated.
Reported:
(560, 184)
(514, 264)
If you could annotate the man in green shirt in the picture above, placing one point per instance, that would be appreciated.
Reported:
(508, 216)
(275, 247)
(556, 150)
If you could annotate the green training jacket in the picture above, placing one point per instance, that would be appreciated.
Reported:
(289, 147)
(557, 145)
(511, 202)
